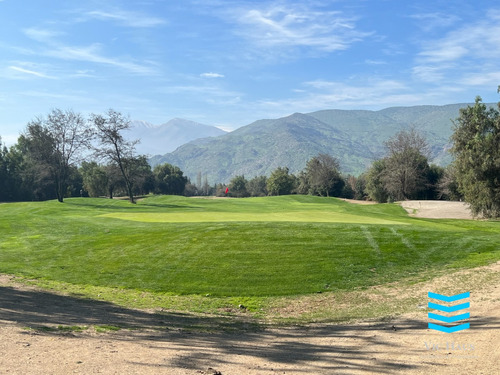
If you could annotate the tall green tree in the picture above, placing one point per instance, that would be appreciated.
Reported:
(37, 147)
(144, 180)
(257, 186)
(169, 179)
(280, 182)
(375, 187)
(238, 187)
(476, 148)
(6, 177)
(17, 184)
(323, 176)
(95, 180)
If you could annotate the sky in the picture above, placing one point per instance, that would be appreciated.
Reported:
(229, 63)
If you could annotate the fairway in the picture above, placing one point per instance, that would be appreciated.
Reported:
(271, 246)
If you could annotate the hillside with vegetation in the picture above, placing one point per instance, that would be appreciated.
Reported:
(356, 138)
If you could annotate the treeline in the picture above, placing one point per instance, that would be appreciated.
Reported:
(65, 155)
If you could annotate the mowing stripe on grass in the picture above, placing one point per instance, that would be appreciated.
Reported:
(370, 239)
(403, 239)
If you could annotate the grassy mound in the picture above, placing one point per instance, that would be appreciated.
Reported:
(272, 246)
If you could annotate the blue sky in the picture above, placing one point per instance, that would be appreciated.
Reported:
(229, 63)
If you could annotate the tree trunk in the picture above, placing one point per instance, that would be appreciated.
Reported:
(130, 193)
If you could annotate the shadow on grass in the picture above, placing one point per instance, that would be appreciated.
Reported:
(108, 204)
(200, 341)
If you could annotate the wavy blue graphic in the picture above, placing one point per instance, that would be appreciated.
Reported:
(448, 309)
(460, 327)
(444, 298)
(449, 319)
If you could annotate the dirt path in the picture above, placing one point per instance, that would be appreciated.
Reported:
(159, 343)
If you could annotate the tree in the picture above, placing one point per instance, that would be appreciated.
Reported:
(323, 176)
(206, 189)
(476, 147)
(54, 145)
(4, 174)
(169, 179)
(280, 182)
(114, 179)
(406, 167)
(435, 174)
(142, 176)
(448, 185)
(375, 187)
(71, 134)
(37, 146)
(113, 146)
(257, 186)
(358, 186)
(238, 187)
(15, 185)
(95, 179)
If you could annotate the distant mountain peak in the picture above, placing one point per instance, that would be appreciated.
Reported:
(142, 124)
(183, 122)
(165, 138)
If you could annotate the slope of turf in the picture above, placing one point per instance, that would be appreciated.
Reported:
(233, 247)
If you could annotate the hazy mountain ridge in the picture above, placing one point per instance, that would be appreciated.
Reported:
(165, 138)
(355, 137)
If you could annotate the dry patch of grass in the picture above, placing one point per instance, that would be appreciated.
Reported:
(381, 301)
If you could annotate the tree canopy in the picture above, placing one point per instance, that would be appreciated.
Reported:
(280, 182)
(476, 147)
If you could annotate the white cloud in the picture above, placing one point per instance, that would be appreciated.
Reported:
(461, 53)
(431, 21)
(91, 53)
(482, 79)
(131, 19)
(29, 72)
(211, 75)
(77, 98)
(427, 73)
(445, 51)
(41, 35)
(322, 94)
(298, 25)
(471, 40)
(375, 62)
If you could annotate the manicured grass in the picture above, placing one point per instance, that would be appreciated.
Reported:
(255, 247)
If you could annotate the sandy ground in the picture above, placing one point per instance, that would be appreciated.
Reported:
(437, 209)
(159, 343)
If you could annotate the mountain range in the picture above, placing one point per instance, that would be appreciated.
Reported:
(165, 138)
(355, 137)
